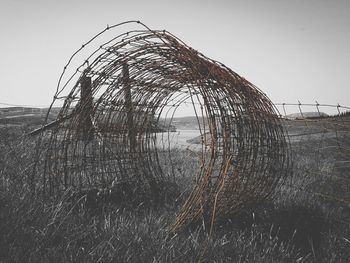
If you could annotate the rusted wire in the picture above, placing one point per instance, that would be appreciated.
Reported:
(116, 121)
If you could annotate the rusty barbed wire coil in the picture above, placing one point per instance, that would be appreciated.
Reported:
(118, 109)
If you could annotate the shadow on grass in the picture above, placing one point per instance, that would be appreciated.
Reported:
(301, 227)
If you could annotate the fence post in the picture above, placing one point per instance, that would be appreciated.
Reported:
(129, 108)
(86, 102)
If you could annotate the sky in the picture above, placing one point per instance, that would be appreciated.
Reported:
(290, 49)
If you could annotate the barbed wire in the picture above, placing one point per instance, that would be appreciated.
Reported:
(342, 107)
(106, 132)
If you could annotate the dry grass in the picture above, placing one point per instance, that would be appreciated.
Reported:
(38, 231)
(297, 227)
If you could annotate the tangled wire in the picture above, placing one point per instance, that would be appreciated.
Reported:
(120, 105)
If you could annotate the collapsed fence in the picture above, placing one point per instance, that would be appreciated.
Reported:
(118, 108)
(115, 129)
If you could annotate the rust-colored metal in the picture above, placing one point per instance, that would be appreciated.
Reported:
(116, 113)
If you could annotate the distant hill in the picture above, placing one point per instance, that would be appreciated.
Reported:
(187, 123)
(307, 115)
(25, 115)
(9, 111)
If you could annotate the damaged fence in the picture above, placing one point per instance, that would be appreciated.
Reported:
(117, 114)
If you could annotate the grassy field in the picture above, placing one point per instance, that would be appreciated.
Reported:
(308, 220)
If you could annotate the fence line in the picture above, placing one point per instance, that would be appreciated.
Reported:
(320, 152)
(320, 146)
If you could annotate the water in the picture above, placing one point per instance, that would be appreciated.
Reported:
(178, 139)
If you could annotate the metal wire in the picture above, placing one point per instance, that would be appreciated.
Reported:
(118, 111)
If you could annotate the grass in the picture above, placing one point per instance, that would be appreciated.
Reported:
(296, 226)
(37, 231)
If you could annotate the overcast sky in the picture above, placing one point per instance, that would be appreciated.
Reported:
(292, 50)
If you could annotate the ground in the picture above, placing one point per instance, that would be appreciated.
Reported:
(307, 220)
